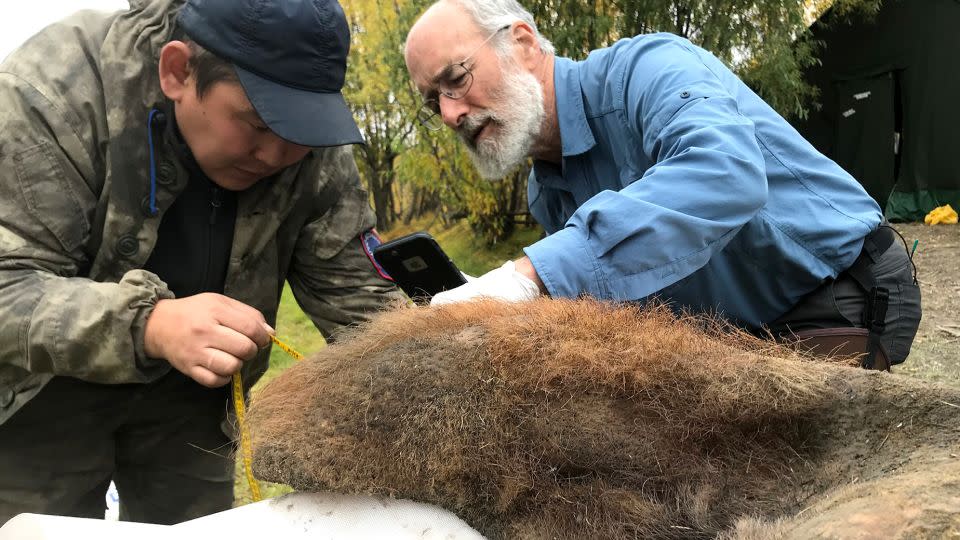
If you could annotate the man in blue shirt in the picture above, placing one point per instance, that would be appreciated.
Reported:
(657, 172)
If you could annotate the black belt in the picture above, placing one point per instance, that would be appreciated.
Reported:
(875, 245)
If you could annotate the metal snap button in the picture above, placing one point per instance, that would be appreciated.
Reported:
(166, 172)
(159, 118)
(6, 397)
(145, 207)
(127, 245)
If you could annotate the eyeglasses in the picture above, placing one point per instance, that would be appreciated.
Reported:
(454, 82)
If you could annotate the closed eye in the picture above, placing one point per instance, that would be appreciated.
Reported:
(458, 81)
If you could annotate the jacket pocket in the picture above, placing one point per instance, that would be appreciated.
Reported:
(342, 224)
(49, 196)
(17, 387)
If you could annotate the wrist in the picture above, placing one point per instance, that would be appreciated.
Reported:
(152, 341)
(524, 267)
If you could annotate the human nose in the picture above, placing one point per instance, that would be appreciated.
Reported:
(453, 111)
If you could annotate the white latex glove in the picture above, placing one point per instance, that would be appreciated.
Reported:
(504, 283)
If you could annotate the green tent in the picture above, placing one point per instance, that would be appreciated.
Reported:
(890, 94)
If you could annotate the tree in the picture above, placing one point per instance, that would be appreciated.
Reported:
(378, 90)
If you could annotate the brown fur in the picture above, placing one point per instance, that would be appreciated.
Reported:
(560, 418)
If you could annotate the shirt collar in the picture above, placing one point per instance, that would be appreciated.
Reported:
(576, 137)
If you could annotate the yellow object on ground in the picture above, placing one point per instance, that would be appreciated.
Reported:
(942, 214)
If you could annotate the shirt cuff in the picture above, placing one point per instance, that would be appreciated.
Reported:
(566, 265)
(153, 289)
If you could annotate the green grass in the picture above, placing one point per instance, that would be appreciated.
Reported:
(294, 328)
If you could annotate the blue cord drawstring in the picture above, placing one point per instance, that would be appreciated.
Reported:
(153, 164)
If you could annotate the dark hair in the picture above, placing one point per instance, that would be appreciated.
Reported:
(208, 68)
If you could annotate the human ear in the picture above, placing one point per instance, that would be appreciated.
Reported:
(524, 37)
(174, 70)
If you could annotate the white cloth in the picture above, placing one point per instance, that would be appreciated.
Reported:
(504, 283)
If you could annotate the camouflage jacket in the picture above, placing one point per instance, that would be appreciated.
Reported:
(76, 227)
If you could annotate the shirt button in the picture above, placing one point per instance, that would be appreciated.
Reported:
(684, 94)
(127, 245)
(159, 119)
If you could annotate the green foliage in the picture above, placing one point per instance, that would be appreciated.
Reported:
(439, 163)
(576, 28)
(378, 90)
(776, 72)
(845, 10)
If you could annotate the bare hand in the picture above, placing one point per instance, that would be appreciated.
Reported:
(207, 336)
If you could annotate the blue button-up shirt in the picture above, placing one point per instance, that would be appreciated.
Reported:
(678, 181)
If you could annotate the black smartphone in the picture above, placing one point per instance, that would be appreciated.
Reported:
(418, 266)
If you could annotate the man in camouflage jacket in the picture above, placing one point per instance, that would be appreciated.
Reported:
(103, 374)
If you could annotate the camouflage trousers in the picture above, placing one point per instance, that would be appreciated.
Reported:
(161, 443)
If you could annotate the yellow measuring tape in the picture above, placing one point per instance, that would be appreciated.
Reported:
(246, 449)
(286, 348)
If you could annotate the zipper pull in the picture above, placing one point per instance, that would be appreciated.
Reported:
(214, 203)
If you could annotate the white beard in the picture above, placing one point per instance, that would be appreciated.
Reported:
(516, 120)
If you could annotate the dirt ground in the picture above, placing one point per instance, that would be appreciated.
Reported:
(935, 355)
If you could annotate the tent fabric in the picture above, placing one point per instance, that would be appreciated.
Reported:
(903, 206)
(889, 114)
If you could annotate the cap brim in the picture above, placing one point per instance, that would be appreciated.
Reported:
(299, 116)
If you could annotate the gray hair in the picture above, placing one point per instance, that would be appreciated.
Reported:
(491, 15)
